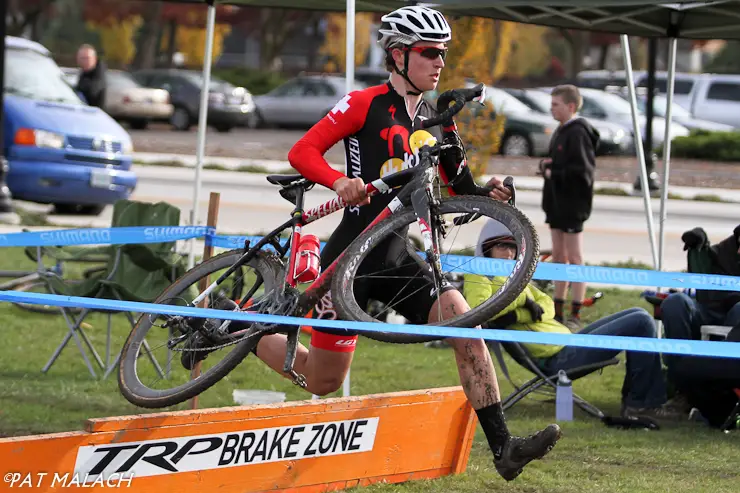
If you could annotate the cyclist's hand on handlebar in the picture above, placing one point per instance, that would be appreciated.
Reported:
(351, 190)
(498, 190)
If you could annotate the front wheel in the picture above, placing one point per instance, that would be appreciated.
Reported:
(383, 264)
(160, 351)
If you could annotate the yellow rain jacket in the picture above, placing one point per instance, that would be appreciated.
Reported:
(478, 289)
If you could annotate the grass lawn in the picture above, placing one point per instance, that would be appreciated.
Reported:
(590, 457)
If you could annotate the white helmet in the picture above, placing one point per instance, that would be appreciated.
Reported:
(409, 25)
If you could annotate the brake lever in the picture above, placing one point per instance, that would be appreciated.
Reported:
(509, 183)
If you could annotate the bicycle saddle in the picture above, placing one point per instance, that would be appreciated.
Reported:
(288, 180)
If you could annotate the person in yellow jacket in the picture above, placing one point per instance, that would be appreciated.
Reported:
(644, 388)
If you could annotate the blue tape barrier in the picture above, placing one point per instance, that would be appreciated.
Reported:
(453, 263)
(620, 343)
(586, 273)
(105, 236)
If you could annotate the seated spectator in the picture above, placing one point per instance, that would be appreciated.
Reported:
(683, 316)
(695, 378)
(644, 388)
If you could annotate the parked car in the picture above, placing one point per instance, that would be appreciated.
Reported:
(59, 150)
(228, 106)
(607, 106)
(127, 100)
(526, 132)
(371, 76)
(301, 101)
(617, 79)
(681, 115)
(613, 139)
(716, 97)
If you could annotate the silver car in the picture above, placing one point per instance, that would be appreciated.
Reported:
(301, 101)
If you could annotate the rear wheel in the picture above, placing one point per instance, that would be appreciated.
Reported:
(153, 372)
(386, 263)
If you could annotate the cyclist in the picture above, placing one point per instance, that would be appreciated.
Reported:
(376, 125)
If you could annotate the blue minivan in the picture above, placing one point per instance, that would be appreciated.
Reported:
(60, 150)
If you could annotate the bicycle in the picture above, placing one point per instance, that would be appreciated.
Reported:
(276, 291)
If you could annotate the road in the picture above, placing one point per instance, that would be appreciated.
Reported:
(274, 145)
(617, 230)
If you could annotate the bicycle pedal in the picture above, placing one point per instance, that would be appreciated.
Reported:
(298, 379)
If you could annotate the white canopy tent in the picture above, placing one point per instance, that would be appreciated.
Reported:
(717, 19)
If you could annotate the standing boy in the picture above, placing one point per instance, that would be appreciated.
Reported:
(568, 192)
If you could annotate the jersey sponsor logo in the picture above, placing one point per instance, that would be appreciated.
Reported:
(390, 134)
(392, 111)
(217, 451)
(324, 309)
(346, 343)
(416, 141)
(342, 105)
(355, 159)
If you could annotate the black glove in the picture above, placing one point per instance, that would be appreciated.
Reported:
(503, 321)
(534, 309)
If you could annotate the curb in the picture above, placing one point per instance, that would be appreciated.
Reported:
(525, 182)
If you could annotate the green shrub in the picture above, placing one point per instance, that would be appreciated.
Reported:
(255, 81)
(714, 146)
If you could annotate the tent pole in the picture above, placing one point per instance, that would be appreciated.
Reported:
(638, 145)
(202, 121)
(350, 81)
(673, 42)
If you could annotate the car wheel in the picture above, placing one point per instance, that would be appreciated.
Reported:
(254, 120)
(79, 209)
(139, 124)
(516, 145)
(180, 119)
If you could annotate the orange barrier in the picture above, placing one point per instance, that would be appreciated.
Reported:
(296, 447)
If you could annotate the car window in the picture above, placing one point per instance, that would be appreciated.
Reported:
(592, 109)
(290, 88)
(541, 100)
(503, 101)
(725, 91)
(609, 103)
(32, 75)
(325, 89)
(661, 85)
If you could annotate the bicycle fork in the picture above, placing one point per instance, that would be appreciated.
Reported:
(424, 203)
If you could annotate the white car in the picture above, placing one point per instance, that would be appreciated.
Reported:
(127, 100)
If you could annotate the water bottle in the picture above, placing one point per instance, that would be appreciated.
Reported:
(564, 398)
(308, 259)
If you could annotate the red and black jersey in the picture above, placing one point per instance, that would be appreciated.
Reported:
(377, 133)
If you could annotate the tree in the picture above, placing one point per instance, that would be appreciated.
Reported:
(117, 39)
(23, 15)
(480, 53)
(727, 60)
(578, 43)
(335, 44)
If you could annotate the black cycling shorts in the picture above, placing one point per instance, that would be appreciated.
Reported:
(567, 225)
(402, 286)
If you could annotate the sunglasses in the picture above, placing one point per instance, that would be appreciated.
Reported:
(429, 52)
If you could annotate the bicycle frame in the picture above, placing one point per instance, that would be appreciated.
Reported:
(300, 218)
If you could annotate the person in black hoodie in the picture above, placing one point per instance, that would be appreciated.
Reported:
(91, 82)
(568, 192)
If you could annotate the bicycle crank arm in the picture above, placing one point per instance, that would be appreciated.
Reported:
(290, 355)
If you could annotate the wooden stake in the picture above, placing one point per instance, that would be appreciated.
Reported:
(213, 204)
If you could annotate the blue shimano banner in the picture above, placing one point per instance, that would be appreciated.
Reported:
(586, 273)
(620, 343)
(105, 236)
(236, 241)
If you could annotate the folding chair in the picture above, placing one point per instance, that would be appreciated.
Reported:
(134, 272)
(521, 355)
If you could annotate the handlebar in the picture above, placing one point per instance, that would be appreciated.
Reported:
(457, 96)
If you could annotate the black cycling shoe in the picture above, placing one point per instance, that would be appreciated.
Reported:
(199, 340)
(519, 451)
